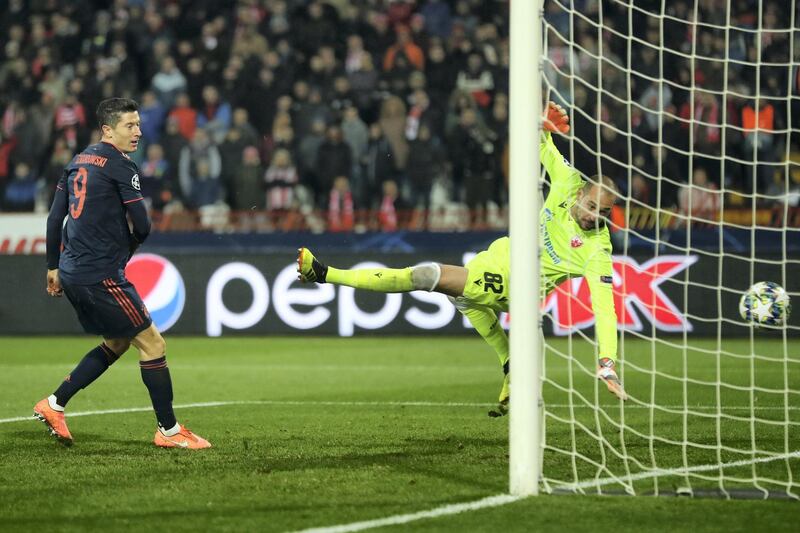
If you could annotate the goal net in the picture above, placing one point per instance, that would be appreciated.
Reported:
(693, 107)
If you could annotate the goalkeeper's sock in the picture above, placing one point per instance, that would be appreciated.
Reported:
(89, 369)
(487, 324)
(155, 375)
(373, 279)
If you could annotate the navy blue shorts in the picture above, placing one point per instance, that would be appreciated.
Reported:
(111, 308)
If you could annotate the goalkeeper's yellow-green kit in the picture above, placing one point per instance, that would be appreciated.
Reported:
(568, 251)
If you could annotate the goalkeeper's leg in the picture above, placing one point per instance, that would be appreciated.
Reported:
(487, 324)
(447, 279)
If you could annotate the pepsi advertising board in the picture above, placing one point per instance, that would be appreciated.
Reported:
(258, 294)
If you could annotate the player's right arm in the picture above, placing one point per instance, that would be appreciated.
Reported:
(55, 223)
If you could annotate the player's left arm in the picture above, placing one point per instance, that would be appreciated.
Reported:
(127, 180)
(55, 223)
(599, 274)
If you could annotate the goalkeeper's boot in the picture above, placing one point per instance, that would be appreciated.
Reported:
(607, 373)
(54, 420)
(308, 268)
(182, 439)
(502, 402)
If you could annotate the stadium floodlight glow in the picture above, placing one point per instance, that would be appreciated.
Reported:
(525, 359)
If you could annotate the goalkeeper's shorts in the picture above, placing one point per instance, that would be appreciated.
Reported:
(487, 278)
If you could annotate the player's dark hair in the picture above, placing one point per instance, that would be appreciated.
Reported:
(110, 110)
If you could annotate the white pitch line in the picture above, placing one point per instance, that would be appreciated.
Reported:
(380, 404)
(678, 471)
(503, 499)
(262, 402)
(491, 501)
(455, 508)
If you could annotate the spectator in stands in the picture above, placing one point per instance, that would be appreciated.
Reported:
(173, 144)
(185, 116)
(156, 178)
(700, 199)
(377, 165)
(705, 118)
(307, 151)
(280, 179)
(196, 79)
(426, 158)
(364, 83)
(31, 139)
(246, 186)
(241, 122)
(355, 53)
(314, 28)
(356, 136)
(758, 123)
(393, 124)
(421, 113)
(473, 144)
(70, 121)
(325, 68)
(378, 36)
(391, 208)
(440, 74)
(562, 62)
(20, 193)
(214, 115)
(230, 152)
(42, 114)
(60, 156)
(168, 82)
(406, 47)
(341, 215)
(199, 170)
(334, 161)
(438, 18)
(152, 115)
(640, 193)
(281, 136)
(477, 80)
(307, 106)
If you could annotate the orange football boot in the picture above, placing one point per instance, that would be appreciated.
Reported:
(54, 420)
(182, 439)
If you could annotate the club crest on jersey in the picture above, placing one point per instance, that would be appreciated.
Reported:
(576, 242)
(135, 182)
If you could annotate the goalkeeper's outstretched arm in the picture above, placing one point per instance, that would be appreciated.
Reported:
(555, 121)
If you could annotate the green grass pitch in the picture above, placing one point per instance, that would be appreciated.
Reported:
(335, 431)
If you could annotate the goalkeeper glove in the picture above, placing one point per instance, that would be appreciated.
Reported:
(556, 119)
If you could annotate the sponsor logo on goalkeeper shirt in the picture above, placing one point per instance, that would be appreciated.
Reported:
(161, 287)
(547, 242)
(637, 294)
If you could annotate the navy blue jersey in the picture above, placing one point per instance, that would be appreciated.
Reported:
(102, 186)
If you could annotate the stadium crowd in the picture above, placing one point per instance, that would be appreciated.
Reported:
(287, 114)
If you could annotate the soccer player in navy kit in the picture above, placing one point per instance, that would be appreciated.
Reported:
(97, 193)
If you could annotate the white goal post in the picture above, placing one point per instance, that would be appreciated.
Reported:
(693, 108)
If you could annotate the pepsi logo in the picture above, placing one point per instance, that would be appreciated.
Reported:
(161, 287)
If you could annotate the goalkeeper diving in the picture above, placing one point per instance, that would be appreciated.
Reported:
(575, 242)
